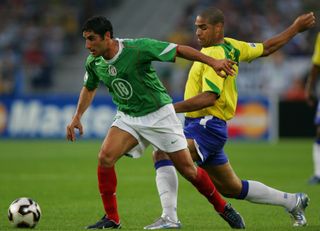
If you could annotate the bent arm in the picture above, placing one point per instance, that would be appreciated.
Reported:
(302, 23)
(310, 84)
(221, 67)
(198, 102)
(192, 54)
(84, 101)
(315, 70)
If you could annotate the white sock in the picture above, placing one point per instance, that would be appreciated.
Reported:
(167, 185)
(316, 159)
(262, 194)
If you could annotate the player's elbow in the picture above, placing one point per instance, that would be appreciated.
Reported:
(210, 99)
(269, 48)
(179, 51)
(266, 52)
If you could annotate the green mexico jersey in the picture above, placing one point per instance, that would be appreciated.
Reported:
(130, 77)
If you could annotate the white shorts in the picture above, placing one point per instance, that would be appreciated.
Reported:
(162, 129)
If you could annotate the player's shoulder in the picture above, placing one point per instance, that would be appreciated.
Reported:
(127, 42)
(90, 59)
(242, 45)
(232, 41)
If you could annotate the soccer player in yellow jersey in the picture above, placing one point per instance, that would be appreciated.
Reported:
(311, 99)
(145, 114)
(210, 101)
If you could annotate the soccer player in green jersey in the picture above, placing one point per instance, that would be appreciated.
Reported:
(208, 103)
(311, 100)
(145, 111)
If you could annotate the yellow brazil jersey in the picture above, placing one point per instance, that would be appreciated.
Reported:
(203, 78)
(316, 54)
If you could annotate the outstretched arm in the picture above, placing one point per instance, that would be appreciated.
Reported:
(302, 23)
(221, 67)
(84, 102)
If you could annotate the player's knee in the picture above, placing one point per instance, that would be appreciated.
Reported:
(159, 155)
(189, 173)
(106, 159)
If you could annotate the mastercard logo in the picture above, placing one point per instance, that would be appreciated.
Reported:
(3, 118)
(251, 120)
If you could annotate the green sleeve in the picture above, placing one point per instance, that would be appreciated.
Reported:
(154, 50)
(91, 80)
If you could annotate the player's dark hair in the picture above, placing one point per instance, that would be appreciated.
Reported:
(213, 15)
(99, 25)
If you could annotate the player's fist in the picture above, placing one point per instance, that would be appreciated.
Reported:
(305, 22)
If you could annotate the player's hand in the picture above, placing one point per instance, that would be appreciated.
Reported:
(305, 22)
(310, 98)
(75, 124)
(223, 67)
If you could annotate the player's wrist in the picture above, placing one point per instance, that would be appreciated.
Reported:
(77, 116)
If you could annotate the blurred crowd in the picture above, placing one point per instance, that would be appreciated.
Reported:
(35, 34)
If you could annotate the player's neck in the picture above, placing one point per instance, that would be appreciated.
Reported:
(112, 50)
(219, 40)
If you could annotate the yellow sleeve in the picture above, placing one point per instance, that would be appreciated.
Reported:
(248, 51)
(316, 53)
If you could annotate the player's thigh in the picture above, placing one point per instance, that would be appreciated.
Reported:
(161, 155)
(193, 150)
(224, 178)
(163, 130)
(183, 163)
(116, 143)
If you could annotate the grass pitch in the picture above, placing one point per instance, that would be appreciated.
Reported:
(61, 177)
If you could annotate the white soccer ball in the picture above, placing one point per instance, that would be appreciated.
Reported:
(24, 213)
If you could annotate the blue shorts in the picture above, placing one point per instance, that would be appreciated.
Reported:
(317, 117)
(210, 135)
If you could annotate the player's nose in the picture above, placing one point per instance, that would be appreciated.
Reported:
(88, 45)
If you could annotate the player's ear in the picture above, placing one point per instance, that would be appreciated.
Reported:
(219, 29)
(107, 35)
(219, 25)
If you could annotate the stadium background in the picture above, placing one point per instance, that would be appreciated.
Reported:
(41, 71)
(42, 56)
